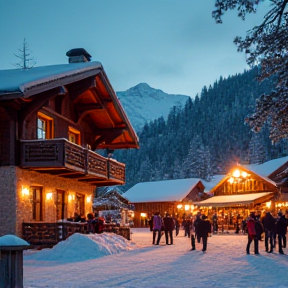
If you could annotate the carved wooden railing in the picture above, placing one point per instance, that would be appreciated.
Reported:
(49, 234)
(60, 153)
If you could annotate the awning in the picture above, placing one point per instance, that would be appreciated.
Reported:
(241, 199)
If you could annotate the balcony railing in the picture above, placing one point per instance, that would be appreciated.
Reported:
(63, 158)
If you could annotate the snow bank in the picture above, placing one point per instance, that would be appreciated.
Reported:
(80, 247)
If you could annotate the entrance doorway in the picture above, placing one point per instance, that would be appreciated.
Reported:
(60, 205)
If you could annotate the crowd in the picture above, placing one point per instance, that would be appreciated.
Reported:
(199, 228)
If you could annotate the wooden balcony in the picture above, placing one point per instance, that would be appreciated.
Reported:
(65, 159)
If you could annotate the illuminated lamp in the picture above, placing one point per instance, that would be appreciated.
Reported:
(25, 191)
(244, 174)
(231, 180)
(187, 207)
(143, 214)
(236, 173)
(268, 204)
(88, 199)
(179, 206)
(49, 196)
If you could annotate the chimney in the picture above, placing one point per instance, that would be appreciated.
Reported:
(78, 55)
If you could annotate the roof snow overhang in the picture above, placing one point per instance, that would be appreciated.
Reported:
(236, 200)
(94, 98)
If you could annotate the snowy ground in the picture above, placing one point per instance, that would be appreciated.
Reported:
(109, 260)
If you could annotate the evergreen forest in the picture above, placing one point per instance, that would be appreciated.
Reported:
(206, 137)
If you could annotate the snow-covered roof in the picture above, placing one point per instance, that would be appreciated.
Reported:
(226, 200)
(268, 167)
(23, 80)
(213, 182)
(161, 191)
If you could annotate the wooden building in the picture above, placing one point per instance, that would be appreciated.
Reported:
(52, 120)
(172, 196)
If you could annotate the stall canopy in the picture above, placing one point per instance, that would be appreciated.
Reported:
(236, 200)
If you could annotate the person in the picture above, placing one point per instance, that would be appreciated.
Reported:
(204, 228)
(150, 222)
(77, 217)
(281, 229)
(237, 224)
(215, 223)
(168, 228)
(90, 223)
(269, 228)
(188, 225)
(177, 225)
(195, 224)
(259, 228)
(99, 224)
(252, 235)
(157, 224)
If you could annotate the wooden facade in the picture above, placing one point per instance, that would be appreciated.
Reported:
(52, 121)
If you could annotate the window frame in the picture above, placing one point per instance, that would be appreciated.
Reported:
(49, 125)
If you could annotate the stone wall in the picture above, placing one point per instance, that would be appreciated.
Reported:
(7, 200)
(17, 199)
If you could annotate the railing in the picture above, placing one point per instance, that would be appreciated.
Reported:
(49, 234)
(60, 153)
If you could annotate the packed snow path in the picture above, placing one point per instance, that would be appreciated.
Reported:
(225, 264)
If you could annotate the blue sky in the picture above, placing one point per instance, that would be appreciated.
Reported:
(172, 45)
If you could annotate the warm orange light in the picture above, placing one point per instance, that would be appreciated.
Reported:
(25, 191)
(236, 173)
(268, 204)
(231, 180)
(88, 199)
(143, 214)
(179, 206)
(49, 196)
(187, 207)
(244, 174)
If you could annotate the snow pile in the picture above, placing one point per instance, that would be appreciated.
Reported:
(80, 247)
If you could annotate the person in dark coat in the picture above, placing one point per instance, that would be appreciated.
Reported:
(204, 228)
(269, 228)
(168, 228)
(177, 225)
(188, 226)
(150, 222)
(281, 229)
(259, 227)
(195, 224)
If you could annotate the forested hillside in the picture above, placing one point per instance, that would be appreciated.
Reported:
(204, 138)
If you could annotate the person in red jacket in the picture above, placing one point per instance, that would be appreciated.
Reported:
(252, 235)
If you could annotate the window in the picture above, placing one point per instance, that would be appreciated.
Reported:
(37, 204)
(74, 135)
(60, 205)
(44, 126)
(80, 204)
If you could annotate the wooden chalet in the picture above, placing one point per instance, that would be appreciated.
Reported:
(239, 192)
(52, 120)
(173, 196)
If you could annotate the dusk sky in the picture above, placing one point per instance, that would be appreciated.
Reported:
(172, 45)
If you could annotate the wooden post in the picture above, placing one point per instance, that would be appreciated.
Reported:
(11, 261)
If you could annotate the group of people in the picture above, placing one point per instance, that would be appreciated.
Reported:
(201, 228)
(271, 227)
(95, 224)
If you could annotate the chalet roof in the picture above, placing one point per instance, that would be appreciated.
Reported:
(32, 81)
(267, 168)
(161, 191)
(107, 114)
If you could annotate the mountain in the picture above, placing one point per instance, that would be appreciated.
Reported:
(143, 104)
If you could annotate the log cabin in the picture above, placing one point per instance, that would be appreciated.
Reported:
(52, 120)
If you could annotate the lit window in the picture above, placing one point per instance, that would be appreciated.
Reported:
(44, 126)
(74, 135)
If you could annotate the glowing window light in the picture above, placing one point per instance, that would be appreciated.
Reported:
(49, 196)
(236, 173)
(143, 214)
(88, 199)
(179, 206)
(187, 207)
